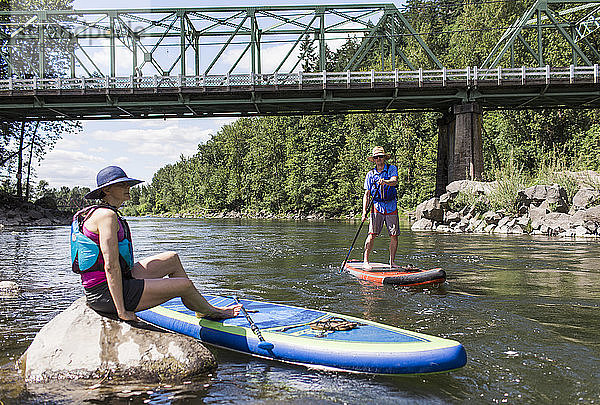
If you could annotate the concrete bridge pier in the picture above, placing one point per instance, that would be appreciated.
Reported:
(460, 146)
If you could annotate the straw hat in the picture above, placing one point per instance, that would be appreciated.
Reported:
(108, 176)
(378, 151)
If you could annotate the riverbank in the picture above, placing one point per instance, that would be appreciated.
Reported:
(540, 209)
(16, 212)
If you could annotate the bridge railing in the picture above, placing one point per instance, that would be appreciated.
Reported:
(471, 76)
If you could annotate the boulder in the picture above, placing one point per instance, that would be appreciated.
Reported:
(537, 215)
(585, 198)
(554, 195)
(450, 216)
(471, 187)
(430, 209)
(557, 222)
(9, 289)
(79, 343)
(422, 224)
(492, 217)
(524, 222)
(445, 200)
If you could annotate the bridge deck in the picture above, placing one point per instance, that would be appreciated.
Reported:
(317, 93)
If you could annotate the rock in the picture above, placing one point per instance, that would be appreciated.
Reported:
(450, 216)
(476, 225)
(537, 215)
(443, 228)
(569, 233)
(471, 187)
(430, 209)
(555, 195)
(515, 229)
(463, 225)
(584, 178)
(490, 228)
(9, 289)
(503, 229)
(492, 217)
(445, 200)
(581, 231)
(592, 214)
(422, 224)
(585, 198)
(524, 222)
(79, 343)
(557, 222)
(503, 221)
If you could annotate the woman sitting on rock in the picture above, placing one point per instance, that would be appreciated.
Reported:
(102, 252)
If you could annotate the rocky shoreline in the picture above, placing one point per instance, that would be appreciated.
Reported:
(540, 210)
(15, 212)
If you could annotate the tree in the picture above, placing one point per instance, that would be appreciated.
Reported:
(308, 55)
(22, 144)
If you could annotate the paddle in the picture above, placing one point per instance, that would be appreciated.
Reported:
(356, 236)
(263, 343)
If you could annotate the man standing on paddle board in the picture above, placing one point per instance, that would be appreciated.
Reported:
(380, 185)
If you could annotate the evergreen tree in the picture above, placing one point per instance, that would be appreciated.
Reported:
(308, 55)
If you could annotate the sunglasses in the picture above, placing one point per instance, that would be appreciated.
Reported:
(378, 157)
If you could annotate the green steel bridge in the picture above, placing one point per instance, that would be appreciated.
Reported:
(296, 93)
(247, 61)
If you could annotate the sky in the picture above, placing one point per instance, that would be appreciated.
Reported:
(140, 147)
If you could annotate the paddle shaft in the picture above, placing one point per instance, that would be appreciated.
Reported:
(357, 233)
(253, 326)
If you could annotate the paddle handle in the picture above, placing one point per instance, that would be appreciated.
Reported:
(357, 233)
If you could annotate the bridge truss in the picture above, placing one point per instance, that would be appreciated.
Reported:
(575, 21)
(202, 41)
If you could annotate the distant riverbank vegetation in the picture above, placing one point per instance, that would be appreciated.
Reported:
(316, 164)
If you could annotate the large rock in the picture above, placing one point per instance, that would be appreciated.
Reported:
(430, 209)
(585, 198)
(79, 343)
(590, 215)
(584, 178)
(554, 195)
(557, 222)
(471, 187)
(422, 224)
(492, 217)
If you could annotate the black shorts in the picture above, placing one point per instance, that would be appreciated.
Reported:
(99, 298)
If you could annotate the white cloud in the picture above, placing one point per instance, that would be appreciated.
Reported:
(141, 147)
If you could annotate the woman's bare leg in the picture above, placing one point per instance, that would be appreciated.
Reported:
(158, 289)
(159, 266)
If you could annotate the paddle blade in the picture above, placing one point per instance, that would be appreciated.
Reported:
(265, 345)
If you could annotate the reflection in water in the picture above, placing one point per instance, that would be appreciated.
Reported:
(525, 308)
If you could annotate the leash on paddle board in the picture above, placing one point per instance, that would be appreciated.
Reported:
(263, 343)
(357, 233)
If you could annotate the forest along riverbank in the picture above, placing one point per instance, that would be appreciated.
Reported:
(491, 207)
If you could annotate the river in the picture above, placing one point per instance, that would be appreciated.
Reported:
(527, 310)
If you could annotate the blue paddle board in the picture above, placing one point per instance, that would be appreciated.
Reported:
(314, 338)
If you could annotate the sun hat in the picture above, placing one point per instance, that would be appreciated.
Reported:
(378, 151)
(108, 176)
